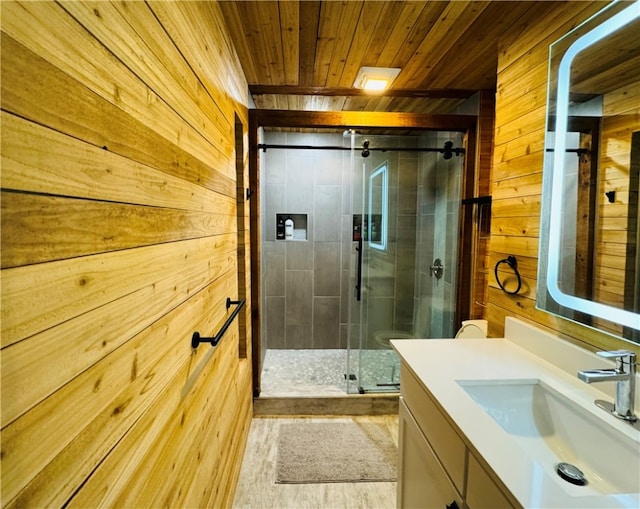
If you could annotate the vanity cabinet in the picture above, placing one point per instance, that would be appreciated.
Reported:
(424, 483)
(437, 469)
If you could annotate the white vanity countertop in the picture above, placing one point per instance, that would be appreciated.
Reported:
(439, 363)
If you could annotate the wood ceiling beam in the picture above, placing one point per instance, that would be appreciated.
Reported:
(357, 92)
(359, 119)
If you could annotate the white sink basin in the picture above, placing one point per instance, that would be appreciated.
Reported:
(553, 429)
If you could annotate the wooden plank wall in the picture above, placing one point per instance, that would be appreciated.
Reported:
(517, 170)
(120, 238)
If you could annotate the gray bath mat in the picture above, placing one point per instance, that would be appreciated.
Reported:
(335, 452)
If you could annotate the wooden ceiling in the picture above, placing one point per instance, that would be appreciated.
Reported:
(304, 55)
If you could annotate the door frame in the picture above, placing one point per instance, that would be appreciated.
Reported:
(396, 123)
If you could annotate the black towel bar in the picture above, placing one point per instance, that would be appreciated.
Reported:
(196, 339)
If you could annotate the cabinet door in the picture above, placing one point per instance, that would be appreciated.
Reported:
(445, 442)
(422, 482)
(482, 492)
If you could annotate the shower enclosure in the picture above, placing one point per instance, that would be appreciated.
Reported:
(372, 255)
(405, 204)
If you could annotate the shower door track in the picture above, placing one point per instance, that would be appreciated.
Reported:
(265, 146)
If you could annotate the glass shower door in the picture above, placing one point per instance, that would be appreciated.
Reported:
(438, 230)
(403, 245)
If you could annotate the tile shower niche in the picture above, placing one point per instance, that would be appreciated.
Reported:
(299, 226)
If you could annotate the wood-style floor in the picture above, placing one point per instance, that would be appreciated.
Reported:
(257, 487)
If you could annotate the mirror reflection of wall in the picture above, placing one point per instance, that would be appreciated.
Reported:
(617, 235)
(589, 262)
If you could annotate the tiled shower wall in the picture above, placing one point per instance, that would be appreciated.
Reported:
(307, 285)
(306, 281)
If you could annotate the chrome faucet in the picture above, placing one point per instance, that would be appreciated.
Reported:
(624, 374)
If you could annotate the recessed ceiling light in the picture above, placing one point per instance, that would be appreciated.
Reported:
(375, 79)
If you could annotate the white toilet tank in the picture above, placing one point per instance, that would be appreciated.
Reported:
(473, 329)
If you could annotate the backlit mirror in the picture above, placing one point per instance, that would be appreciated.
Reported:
(589, 262)
(378, 205)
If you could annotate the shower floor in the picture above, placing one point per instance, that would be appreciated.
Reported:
(322, 372)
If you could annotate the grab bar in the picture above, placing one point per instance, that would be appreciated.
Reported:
(196, 339)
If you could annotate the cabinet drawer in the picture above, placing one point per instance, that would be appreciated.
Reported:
(422, 482)
(482, 492)
(446, 443)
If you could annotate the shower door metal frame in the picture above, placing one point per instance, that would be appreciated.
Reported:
(340, 120)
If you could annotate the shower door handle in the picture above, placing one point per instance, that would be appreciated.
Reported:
(359, 273)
